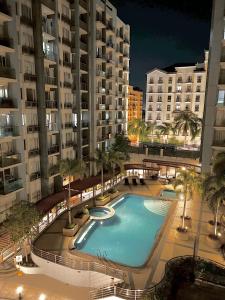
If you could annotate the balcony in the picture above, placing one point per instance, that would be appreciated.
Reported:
(7, 43)
(49, 30)
(68, 105)
(7, 72)
(5, 8)
(83, 46)
(67, 85)
(101, 106)
(110, 27)
(66, 41)
(49, 3)
(6, 103)
(30, 103)
(10, 159)
(83, 66)
(35, 176)
(65, 18)
(84, 105)
(26, 20)
(84, 86)
(9, 130)
(53, 149)
(85, 141)
(85, 124)
(32, 129)
(28, 50)
(50, 80)
(51, 104)
(33, 152)
(219, 143)
(100, 73)
(53, 170)
(11, 185)
(83, 25)
(50, 56)
(68, 125)
(30, 77)
(52, 126)
(83, 4)
(67, 64)
(68, 144)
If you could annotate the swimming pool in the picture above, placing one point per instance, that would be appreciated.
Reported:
(128, 237)
(169, 194)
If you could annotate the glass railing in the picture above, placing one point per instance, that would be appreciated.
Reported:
(10, 159)
(10, 186)
(9, 130)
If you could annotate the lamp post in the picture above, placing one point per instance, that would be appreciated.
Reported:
(19, 291)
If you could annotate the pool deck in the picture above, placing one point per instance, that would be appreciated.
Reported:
(168, 247)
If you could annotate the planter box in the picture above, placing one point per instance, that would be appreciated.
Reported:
(183, 236)
(114, 195)
(80, 221)
(70, 232)
(102, 202)
(215, 244)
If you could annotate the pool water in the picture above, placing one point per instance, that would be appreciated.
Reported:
(98, 212)
(128, 237)
(169, 194)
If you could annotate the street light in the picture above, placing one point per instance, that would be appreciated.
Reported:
(19, 291)
(42, 297)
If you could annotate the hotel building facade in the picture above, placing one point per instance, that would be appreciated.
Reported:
(64, 76)
(180, 87)
(213, 137)
(135, 98)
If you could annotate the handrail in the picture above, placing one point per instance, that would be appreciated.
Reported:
(150, 292)
(78, 264)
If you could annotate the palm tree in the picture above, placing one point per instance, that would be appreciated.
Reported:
(214, 191)
(165, 129)
(219, 165)
(187, 123)
(70, 168)
(137, 128)
(187, 181)
(115, 159)
(101, 160)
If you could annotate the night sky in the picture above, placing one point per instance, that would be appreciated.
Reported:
(164, 32)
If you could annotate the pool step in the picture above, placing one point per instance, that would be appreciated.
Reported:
(158, 207)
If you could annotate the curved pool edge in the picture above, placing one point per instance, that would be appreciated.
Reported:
(110, 214)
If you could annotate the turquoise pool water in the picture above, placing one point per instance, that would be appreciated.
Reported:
(169, 194)
(98, 212)
(128, 237)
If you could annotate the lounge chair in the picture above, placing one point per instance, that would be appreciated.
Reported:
(142, 181)
(126, 181)
(134, 181)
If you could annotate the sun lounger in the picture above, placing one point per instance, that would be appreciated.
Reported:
(134, 181)
(142, 181)
(126, 181)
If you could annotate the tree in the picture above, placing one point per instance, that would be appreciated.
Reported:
(165, 129)
(187, 181)
(115, 159)
(138, 129)
(101, 159)
(214, 191)
(187, 123)
(22, 223)
(70, 168)
(219, 165)
(121, 144)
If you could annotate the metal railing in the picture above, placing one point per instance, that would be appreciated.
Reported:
(78, 264)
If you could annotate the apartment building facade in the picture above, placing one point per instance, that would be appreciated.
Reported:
(174, 89)
(213, 137)
(64, 75)
(135, 98)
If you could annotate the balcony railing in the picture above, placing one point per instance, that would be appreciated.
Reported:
(52, 126)
(68, 125)
(51, 104)
(66, 41)
(33, 152)
(66, 18)
(49, 30)
(6, 103)
(10, 159)
(9, 130)
(28, 49)
(50, 80)
(68, 105)
(84, 105)
(83, 3)
(85, 124)
(10, 185)
(67, 84)
(35, 176)
(30, 103)
(53, 149)
(5, 8)
(84, 66)
(7, 72)
(6, 42)
(83, 25)
(101, 106)
(67, 64)
(68, 144)
(84, 86)
(32, 128)
(26, 20)
(85, 141)
(83, 46)
(50, 56)
(30, 77)
(53, 170)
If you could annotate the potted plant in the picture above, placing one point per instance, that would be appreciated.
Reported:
(81, 216)
(102, 199)
(70, 229)
(186, 182)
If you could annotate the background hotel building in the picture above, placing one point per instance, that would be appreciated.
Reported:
(64, 75)
(175, 88)
(135, 98)
(213, 137)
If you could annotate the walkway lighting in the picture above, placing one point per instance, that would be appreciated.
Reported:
(42, 297)
(19, 291)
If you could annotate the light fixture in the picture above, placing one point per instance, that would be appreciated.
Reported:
(181, 196)
(19, 290)
(42, 297)
(183, 168)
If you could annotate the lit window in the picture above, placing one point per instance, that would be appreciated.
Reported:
(197, 107)
(179, 88)
(221, 95)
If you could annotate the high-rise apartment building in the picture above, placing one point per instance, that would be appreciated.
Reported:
(64, 76)
(135, 98)
(213, 137)
(174, 89)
